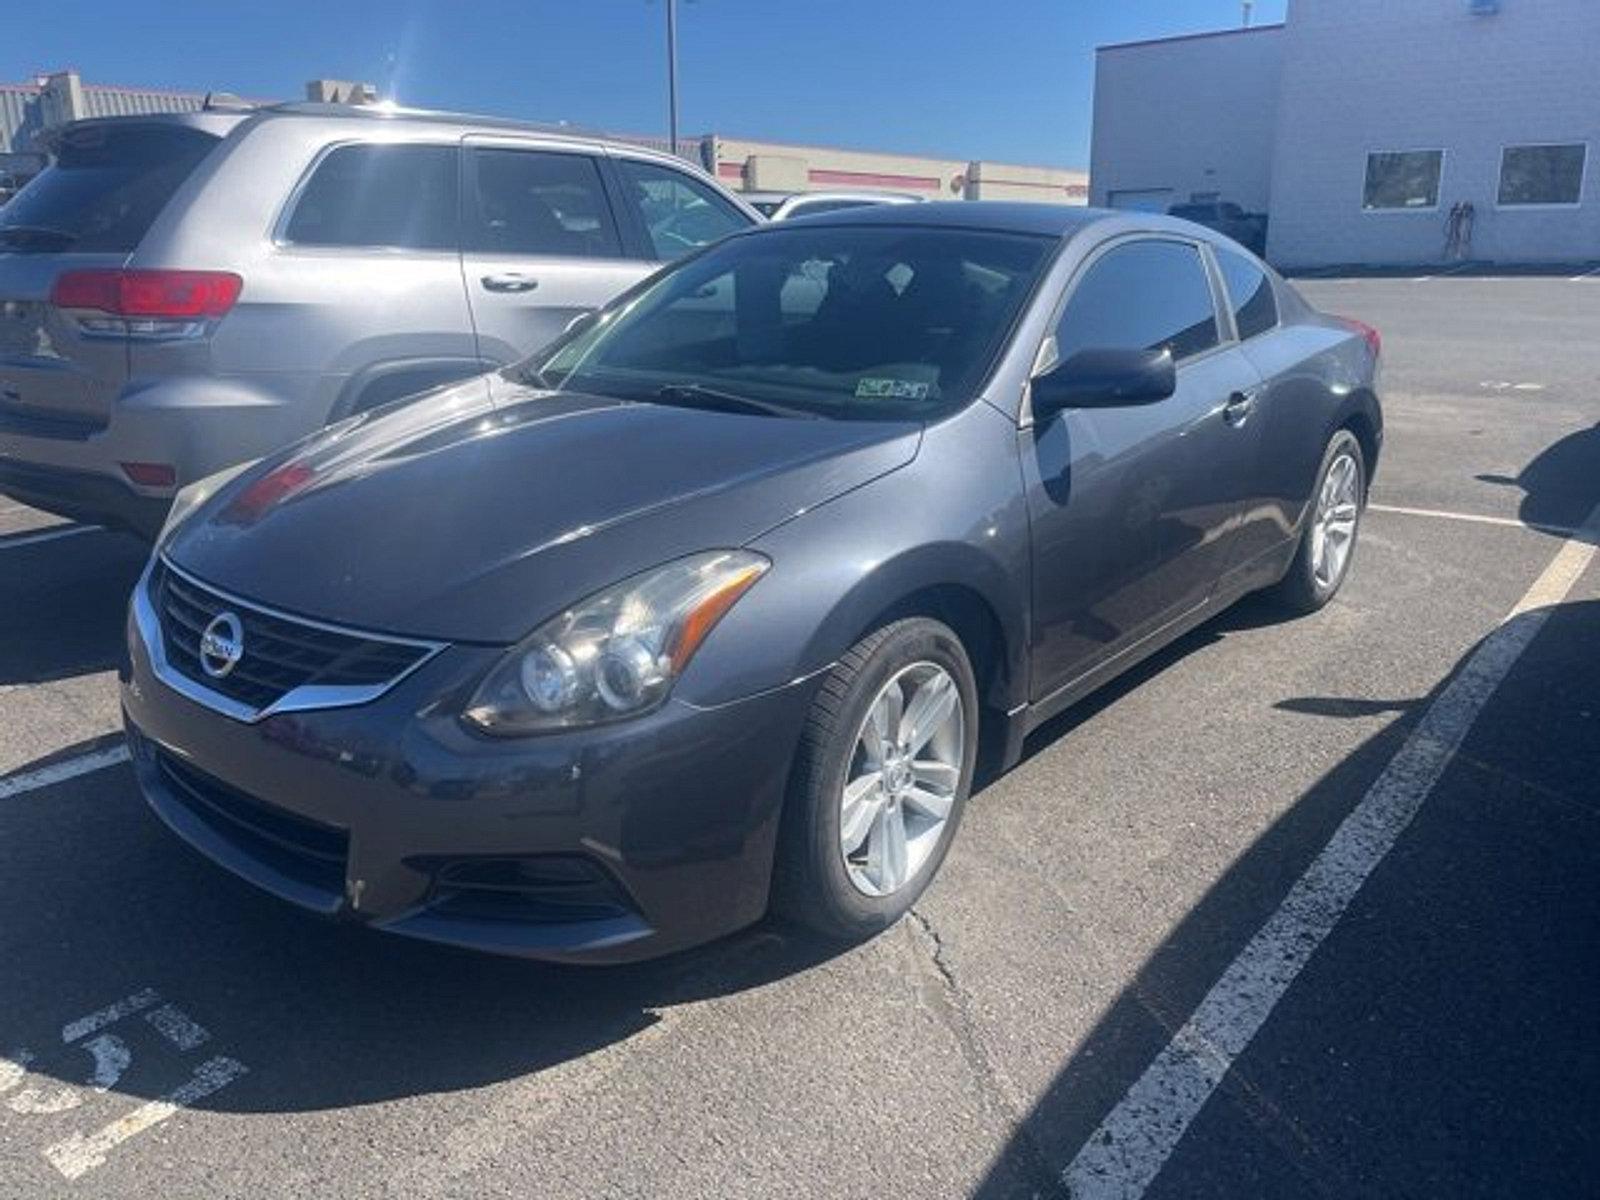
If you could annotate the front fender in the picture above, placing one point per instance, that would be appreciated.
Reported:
(953, 519)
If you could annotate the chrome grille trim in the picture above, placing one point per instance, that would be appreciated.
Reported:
(303, 697)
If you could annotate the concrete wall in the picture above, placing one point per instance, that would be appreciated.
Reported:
(1187, 114)
(1365, 75)
(750, 165)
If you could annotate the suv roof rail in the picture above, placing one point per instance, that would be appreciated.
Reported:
(388, 111)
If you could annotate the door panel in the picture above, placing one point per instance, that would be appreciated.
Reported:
(1134, 508)
(1132, 511)
(540, 245)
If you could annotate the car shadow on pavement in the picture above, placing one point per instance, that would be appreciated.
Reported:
(1439, 1042)
(102, 903)
(1558, 485)
(63, 605)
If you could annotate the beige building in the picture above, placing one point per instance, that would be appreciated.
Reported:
(777, 166)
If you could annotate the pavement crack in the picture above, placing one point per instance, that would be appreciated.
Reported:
(955, 1006)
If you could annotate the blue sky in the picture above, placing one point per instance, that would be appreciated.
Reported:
(999, 79)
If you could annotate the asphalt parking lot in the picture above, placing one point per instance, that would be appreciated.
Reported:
(1160, 960)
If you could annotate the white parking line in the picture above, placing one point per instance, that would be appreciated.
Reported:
(1123, 1156)
(1586, 275)
(1475, 518)
(48, 535)
(58, 772)
(79, 1154)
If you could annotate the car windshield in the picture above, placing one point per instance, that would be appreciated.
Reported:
(863, 322)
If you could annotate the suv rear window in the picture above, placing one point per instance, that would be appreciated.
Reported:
(105, 188)
(393, 196)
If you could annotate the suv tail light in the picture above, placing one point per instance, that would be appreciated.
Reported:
(143, 303)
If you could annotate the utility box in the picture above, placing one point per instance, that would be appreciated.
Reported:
(340, 91)
(776, 173)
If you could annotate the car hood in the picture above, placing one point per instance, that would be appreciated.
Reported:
(474, 514)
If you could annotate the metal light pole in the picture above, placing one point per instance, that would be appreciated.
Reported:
(672, 75)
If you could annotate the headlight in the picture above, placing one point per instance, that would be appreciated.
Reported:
(194, 495)
(617, 653)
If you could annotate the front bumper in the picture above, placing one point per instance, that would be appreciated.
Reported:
(639, 838)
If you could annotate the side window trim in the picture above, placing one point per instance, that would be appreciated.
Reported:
(1221, 300)
(467, 196)
(693, 179)
(635, 237)
(280, 224)
(1220, 287)
(1115, 242)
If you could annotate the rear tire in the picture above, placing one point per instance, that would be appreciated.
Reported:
(1332, 523)
(852, 863)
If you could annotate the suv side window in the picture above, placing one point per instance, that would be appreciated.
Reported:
(679, 213)
(539, 202)
(392, 196)
(1142, 296)
(1255, 308)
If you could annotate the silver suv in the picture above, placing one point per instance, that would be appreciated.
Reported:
(183, 292)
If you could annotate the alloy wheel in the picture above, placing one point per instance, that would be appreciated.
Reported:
(1333, 529)
(905, 768)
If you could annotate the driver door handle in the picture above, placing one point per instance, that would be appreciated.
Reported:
(509, 281)
(1239, 407)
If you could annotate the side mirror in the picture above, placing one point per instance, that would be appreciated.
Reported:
(1105, 379)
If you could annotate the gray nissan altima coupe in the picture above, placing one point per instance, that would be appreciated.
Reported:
(708, 607)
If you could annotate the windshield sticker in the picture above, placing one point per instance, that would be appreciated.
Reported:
(891, 389)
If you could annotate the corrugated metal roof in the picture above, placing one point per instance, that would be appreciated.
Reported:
(128, 102)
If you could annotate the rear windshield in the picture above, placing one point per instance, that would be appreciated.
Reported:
(105, 188)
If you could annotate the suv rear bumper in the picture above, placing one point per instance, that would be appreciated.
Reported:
(198, 426)
(84, 496)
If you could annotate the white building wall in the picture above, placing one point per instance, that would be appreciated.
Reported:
(1372, 75)
(1186, 115)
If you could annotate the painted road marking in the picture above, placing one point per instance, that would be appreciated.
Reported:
(60, 772)
(80, 1153)
(111, 1013)
(1127, 1151)
(1475, 518)
(48, 535)
(1586, 275)
(174, 1025)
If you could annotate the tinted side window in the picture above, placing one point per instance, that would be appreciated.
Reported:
(539, 202)
(394, 196)
(1141, 296)
(105, 188)
(1255, 308)
(679, 212)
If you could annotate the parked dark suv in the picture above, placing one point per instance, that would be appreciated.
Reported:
(179, 293)
(1228, 219)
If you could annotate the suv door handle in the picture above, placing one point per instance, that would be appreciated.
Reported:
(510, 281)
(1238, 408)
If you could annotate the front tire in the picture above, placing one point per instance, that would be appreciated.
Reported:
(880, 781)
(1328, 541)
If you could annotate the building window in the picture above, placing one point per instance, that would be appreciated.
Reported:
(1542, 174)
(1403, 179)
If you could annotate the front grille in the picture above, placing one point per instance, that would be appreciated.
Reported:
(281, 654)
(306, 851)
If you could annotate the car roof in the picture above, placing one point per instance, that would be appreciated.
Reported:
(1053, 220)
(224, 117)
(1006, 216)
